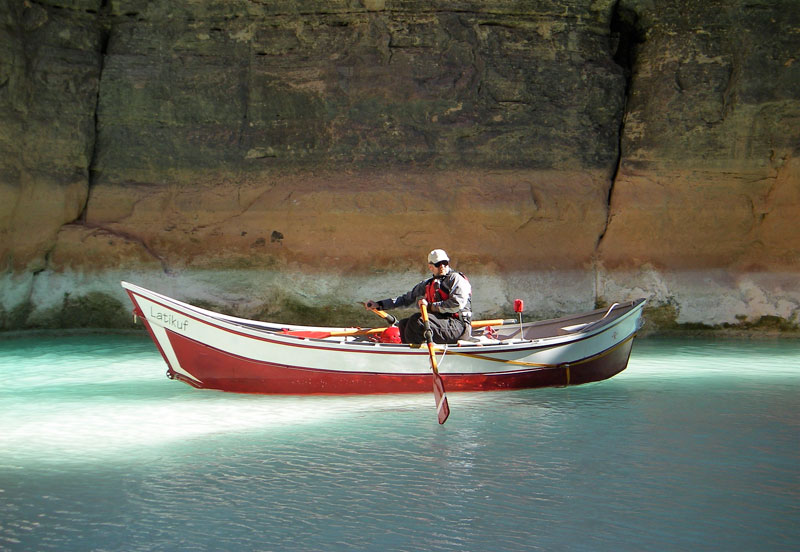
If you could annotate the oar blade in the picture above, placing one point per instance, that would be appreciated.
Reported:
(442, 407)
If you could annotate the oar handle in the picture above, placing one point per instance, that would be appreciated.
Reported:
(423, 308)
(391, 320)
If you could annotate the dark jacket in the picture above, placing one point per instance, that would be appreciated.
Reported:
(456, 287)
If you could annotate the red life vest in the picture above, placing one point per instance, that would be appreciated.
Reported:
(433, 289)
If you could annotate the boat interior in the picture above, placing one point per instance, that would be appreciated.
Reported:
(506, 332)
(502, 331)
(577, 323)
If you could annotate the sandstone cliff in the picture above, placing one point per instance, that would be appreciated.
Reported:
(285, 159)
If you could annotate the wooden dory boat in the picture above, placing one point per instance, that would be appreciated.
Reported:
(213, 351)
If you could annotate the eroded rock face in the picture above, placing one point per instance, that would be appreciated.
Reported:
(49, 72)
(707, 196)
(586, 151)
(709, 172)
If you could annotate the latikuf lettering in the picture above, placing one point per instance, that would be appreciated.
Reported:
(169, 319)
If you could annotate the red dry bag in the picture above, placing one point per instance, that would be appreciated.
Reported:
(391, 335)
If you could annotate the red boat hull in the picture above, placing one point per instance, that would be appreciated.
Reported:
(216, 369)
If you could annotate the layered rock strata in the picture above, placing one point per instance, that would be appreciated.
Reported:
(287, 159)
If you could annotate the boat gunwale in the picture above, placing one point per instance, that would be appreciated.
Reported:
(524, 367)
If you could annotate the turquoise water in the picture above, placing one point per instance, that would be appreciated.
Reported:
(696, 446)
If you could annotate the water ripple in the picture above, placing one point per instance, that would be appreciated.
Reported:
(694, 447)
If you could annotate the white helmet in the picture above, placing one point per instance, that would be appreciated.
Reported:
(437, 256)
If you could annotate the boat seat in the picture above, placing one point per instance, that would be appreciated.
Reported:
(477, 340)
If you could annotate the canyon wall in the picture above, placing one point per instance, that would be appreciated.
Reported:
(288, 159)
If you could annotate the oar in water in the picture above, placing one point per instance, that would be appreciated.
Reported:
(442, 408)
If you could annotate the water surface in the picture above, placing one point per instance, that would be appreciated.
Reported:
(696, 446)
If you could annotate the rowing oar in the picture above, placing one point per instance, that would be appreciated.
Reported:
(315, 334)
(442, 408)
(495, 322)
(391, 320)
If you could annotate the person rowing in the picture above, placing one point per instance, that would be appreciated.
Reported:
(449, 298)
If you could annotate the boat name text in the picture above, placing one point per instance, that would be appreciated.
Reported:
(169, 319)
